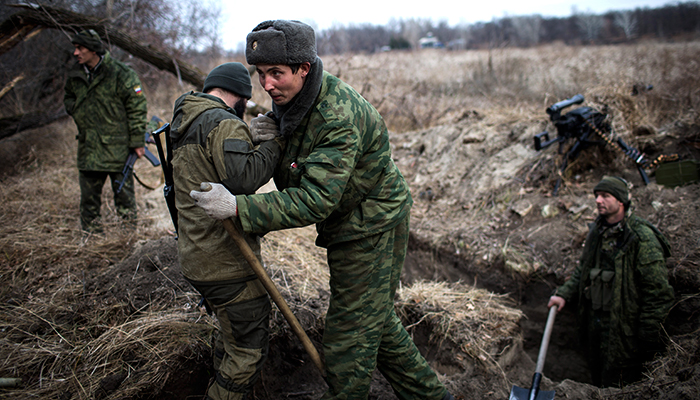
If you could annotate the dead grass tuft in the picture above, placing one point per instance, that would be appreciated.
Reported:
(482, 324)
(60, 358)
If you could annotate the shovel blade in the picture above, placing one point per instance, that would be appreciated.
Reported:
(518, 393)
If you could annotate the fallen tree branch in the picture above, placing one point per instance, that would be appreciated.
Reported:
(10, 85)
(16, 34)
(17, 123)
(22, 22)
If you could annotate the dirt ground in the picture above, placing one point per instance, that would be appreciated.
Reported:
(484, 216)
(479, 234)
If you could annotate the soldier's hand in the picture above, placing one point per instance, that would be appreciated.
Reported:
(216, 200)
(263, 128)
(140, 151)
(558, 301)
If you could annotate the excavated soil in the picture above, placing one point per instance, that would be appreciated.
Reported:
(491, 233)
(483, 216)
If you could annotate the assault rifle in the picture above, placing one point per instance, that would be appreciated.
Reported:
(166, 164)
(584, 124)
(131, 160)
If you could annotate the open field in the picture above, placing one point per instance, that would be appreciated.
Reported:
(109, 317)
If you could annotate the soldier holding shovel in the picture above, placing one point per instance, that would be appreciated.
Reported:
(620, 287)
(210, 142)
(336, 172)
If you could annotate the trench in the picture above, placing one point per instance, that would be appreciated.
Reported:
(289, 372)
(563, 360)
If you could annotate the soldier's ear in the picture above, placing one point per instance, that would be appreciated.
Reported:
(304, 69)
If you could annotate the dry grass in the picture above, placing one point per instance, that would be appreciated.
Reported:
(292, 259)
(50, 336)
(139, 353)
(416, 90)
(482, 324)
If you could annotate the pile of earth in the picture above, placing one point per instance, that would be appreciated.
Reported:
(484, 217)
(484, 220)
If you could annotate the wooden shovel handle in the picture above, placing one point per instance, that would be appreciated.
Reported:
(274, 293)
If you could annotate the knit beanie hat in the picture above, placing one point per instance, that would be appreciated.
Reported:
(617, 187)
(90, 40)
(232, 76)
(281, 42)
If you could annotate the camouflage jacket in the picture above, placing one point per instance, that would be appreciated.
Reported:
(336, 171)
(110, 112)
(211, 144)
(642, 295)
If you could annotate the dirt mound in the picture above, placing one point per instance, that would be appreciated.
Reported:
(454, 324)
(485, 214)
(149, 278)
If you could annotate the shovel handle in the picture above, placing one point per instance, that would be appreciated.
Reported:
(257, 267)
(545, 339)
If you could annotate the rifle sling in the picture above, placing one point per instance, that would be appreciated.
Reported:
(150, 187)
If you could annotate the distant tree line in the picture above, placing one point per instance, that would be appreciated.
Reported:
(672, 21)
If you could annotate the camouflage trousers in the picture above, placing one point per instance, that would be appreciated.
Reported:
(91, 183)
(362, 331)
(604, 372)
(241, 344)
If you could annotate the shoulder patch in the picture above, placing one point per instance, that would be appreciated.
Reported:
(137, 89)
(236, 146)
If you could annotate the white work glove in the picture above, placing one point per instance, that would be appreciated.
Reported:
(263, 128)
(216, 200)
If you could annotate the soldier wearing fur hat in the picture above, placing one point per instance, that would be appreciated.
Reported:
(105, 99)
(210, 142)
(336, 172)
(620, 287)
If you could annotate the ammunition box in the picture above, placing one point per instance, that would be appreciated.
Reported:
(678, 173)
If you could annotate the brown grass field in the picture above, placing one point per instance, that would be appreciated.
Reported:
(109, 316)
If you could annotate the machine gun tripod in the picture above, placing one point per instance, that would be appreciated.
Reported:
(584, 124)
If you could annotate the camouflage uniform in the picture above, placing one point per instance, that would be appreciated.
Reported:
(211, 144)
(621, 286)
(109, 108)
(337, 172)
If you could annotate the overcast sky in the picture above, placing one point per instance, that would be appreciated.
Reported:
(240, 17)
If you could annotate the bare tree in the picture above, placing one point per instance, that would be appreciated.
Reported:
(334, 40)
(527, 29)
(626, 21)
(590, 25)
(413, 29)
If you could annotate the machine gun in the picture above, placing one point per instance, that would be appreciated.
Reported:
(584, 124)
(131, 160)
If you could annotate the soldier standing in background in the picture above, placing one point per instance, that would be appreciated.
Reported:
(336, 172)
(620, 287)
(105, 99)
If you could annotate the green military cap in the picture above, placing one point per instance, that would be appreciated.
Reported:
(617, 187)
(90, 40)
